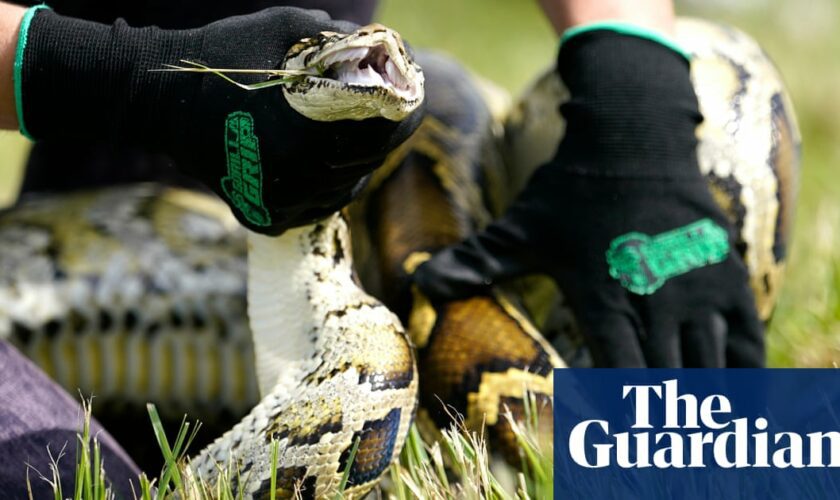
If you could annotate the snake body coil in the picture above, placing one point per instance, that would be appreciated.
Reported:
(137, 293)
(334, 368)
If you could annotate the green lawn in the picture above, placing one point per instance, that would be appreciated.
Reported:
(13, 149)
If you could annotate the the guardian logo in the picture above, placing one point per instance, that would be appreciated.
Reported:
(693, 432)
(652, 434)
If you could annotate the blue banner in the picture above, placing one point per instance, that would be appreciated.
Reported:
(685, 434)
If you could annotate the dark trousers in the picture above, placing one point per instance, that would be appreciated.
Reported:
(37, 414)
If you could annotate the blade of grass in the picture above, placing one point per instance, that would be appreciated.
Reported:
(170, 472)
(146, 487)
(98, 476)
(200, 68)
(58, 494)
(28, 485)
(397, 481)
(416, 454)
(80, 474)
(88, 466)
(275, 446)
(345, 476)
(440, 468)
(286, 76)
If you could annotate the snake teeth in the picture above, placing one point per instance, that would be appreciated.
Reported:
(347, 55)
(365, 74)
(371, 66)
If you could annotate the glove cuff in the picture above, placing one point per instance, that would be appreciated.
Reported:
(78, 79)
(628, 29)
(23, 36)
(632, 110)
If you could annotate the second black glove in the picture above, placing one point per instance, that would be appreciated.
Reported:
(622, 219)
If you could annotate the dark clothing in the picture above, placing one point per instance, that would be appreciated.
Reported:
(67, 166)
(195, 13)
(36, 413)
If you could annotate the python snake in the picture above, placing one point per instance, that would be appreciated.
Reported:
(137, 293)
(333, 365)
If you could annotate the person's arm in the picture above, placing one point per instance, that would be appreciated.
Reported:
(10, 17)
(656, 15)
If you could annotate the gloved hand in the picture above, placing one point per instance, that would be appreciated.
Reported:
(85, 81)
(622, 219)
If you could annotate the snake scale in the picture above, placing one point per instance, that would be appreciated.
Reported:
(138, 293)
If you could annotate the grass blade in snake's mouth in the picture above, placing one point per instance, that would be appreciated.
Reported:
(356, 76)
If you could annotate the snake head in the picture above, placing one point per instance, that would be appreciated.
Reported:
(364, 74)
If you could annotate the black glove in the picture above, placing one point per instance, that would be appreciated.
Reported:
(622, 219)
(86, 81)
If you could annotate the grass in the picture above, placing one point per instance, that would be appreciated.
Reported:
(90, 481)
(458, 466)
(174, 480)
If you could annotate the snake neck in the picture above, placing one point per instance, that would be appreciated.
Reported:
(333, 364)
(287, 279)
(308, 316)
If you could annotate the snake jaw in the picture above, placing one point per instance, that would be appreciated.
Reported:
(364, 74)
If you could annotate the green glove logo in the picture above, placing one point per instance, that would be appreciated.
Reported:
(243, 183)
(643, 263)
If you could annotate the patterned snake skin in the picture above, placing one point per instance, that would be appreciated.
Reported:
(138, 293)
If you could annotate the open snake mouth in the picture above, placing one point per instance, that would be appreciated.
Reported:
(368, 67)
(360, 75)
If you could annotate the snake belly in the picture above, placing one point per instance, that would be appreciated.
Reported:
(749, 151)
